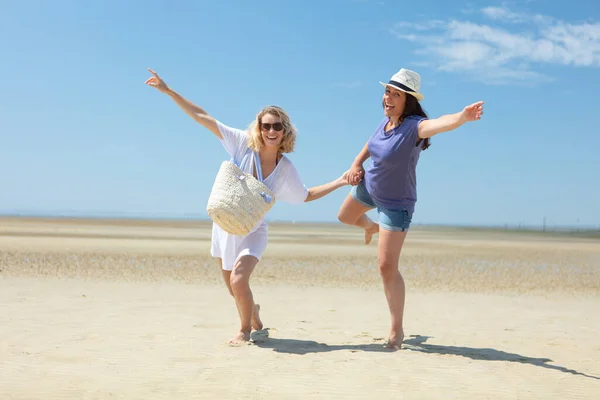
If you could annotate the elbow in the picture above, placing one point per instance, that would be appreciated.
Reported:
(200, 118)
(309, 197)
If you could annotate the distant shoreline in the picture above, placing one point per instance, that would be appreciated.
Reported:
(199, 221)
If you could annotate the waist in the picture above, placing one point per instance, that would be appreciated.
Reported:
(391, 191)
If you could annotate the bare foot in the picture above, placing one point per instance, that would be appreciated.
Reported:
(369, 232)
(257, 324)
(395, 341)
(240, 339)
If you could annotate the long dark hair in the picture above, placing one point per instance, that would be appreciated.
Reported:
(413, 107)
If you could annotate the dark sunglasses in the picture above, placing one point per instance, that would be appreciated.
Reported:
(277, 126)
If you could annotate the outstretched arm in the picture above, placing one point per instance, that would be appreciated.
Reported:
(197, 113)
(431, 127)
(317, 192)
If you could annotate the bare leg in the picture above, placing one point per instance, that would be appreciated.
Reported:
(390, 246)
(240, 285)
(226, 277)
(256, 322)
(353, 213)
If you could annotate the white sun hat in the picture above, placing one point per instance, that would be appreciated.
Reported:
(408, 81)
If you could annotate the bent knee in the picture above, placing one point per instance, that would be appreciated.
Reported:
(346, 218)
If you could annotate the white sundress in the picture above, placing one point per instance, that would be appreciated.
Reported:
(284, 182)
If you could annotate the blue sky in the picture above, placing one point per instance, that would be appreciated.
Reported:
(81, 133)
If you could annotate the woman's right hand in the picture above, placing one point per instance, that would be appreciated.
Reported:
(157, 82)
(355, 174)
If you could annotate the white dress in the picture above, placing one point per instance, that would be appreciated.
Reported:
(284, 182)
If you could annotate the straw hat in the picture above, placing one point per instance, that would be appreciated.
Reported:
(408, 81)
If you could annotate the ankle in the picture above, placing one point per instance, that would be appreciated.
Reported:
(398, 330)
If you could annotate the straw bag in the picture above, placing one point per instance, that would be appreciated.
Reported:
(238, 201)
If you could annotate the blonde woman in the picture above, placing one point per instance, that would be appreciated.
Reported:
(269, 136)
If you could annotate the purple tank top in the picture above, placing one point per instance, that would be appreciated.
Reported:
(391, 177)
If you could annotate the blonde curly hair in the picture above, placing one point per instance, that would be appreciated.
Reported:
(256, 141)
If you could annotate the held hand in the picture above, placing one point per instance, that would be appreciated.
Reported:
(472, 112)
(355, 174)
(344, 178)
(157, 82)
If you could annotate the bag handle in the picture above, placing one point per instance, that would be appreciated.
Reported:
(258, 166)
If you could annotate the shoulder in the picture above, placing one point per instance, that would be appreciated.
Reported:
(414, 119)
(286, 171)
(226, 129)
(235, 136)
(411, 123)
(286, 165)
(381, 126)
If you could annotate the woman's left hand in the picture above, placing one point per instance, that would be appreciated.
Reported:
(472, 112)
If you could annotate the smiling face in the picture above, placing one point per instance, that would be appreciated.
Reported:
(393, 102)
(271, 130)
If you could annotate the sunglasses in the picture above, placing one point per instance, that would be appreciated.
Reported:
(277, 126)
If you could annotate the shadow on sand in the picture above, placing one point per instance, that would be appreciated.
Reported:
(417, 343)
(413, 343)
(293, 346)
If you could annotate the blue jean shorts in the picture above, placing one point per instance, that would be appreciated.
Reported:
(391, 220)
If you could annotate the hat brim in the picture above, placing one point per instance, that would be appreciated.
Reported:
(416, 95)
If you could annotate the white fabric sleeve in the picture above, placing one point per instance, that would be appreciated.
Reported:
(234, 140)
(292, 190)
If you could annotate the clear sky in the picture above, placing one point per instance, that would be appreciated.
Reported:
(81, 133)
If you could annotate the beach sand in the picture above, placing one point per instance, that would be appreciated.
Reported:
(100, 309)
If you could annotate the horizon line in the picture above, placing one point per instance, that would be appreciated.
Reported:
(204, 218)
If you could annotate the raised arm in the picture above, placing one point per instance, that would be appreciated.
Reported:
(197, 113)
(430, 127)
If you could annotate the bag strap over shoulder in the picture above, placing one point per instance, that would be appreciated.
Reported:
(258, 166)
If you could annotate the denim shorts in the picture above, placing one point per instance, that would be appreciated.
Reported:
(391, 220)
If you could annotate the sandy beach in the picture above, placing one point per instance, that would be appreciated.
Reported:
(100, 309)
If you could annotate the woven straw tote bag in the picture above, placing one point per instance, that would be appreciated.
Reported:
(238, 201)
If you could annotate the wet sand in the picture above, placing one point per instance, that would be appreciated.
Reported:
(137, 309)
